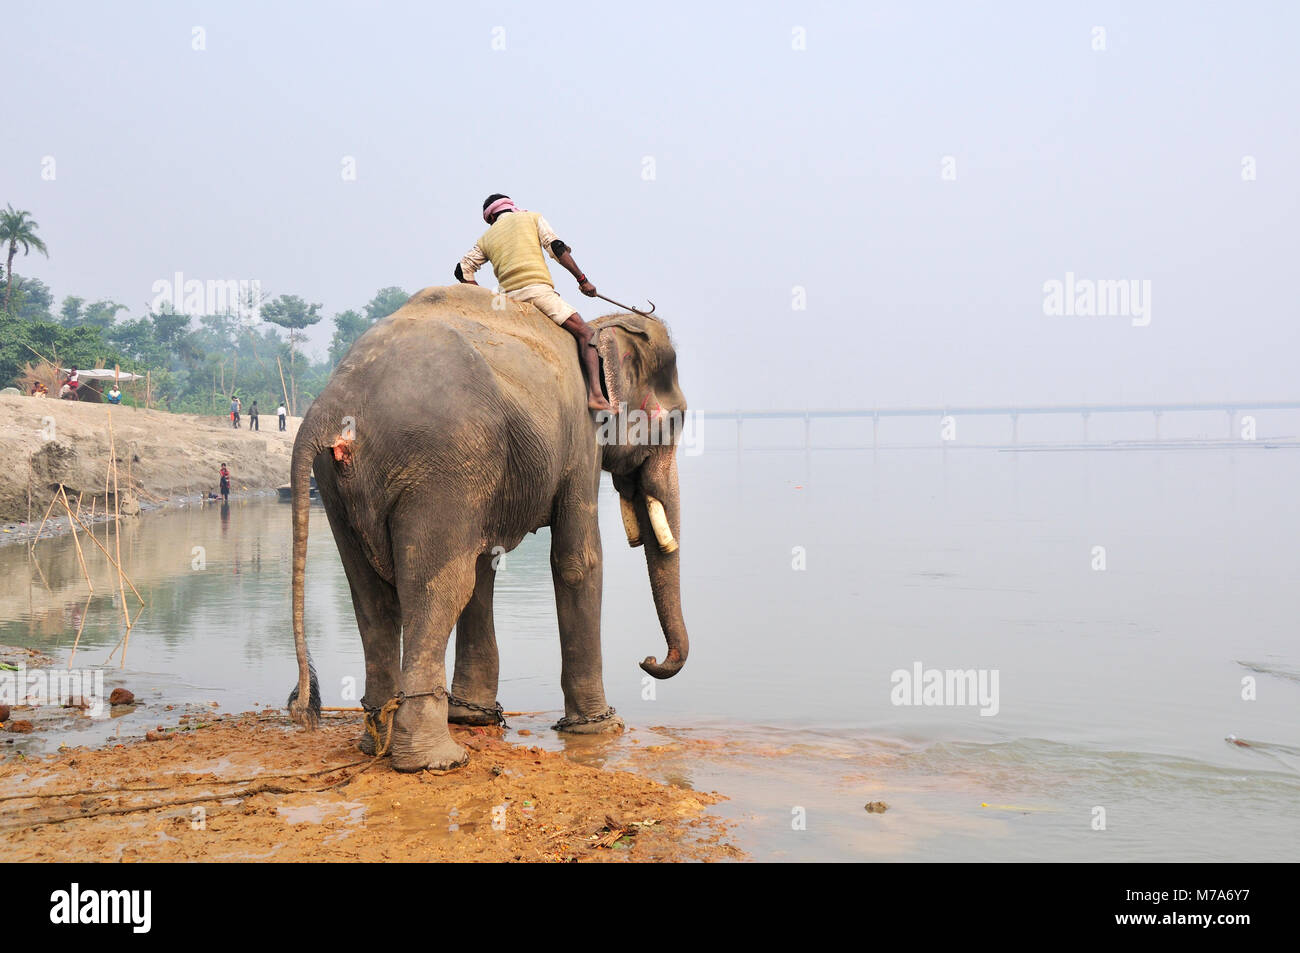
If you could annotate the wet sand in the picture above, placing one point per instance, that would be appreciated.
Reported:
(254, 787)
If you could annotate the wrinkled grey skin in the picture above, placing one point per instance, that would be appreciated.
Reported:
(469, 430)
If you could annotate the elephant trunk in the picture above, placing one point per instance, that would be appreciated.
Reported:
(659, 513)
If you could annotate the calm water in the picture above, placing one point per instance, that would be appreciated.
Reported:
(1116, 686)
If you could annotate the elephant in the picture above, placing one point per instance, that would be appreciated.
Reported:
(452, 429)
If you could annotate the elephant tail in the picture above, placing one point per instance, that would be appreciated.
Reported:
(303, 712)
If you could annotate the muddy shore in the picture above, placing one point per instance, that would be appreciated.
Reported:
(253, 787)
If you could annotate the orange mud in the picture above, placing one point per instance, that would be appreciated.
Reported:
(211, 793)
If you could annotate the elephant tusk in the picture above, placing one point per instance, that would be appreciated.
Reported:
(659, 523)
(629, 522)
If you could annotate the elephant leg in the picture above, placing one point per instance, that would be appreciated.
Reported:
(576, 572)
(477, 662)
(431, 601)
(374, 600)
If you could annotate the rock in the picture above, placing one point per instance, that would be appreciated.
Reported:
(128, 505)
(4, 712)
(877, 807)
(22, 727)
(11, 392)
(76, 701)
(156, 736)
(121, 696)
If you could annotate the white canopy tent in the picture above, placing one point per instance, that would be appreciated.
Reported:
(102, 374)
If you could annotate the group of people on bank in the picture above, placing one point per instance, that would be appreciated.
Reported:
(236, 414)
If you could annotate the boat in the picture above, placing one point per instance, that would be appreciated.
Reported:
(286, 492)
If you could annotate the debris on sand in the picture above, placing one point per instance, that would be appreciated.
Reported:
(877, 807)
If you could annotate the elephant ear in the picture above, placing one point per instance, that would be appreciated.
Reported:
(618, 342)
(628, 322)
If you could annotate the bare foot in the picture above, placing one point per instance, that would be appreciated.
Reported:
(597, 402)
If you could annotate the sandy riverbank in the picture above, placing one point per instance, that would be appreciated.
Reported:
(47, 442)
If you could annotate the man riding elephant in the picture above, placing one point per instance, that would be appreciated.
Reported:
(513, 244)
(452, 430)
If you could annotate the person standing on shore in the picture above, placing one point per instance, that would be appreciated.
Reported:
(225, 484)
(234, 412)
(282, 413)
(252, 417)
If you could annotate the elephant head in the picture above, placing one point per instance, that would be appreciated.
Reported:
(639, 448)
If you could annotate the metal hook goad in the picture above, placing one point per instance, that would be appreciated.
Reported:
(644, 314)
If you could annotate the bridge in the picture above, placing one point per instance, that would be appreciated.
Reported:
(941, 412)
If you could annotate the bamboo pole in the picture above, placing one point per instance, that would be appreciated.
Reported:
(108, 469)
(77, 640)
(32, 544)
(117, 534)
(109, 556)
(36, 564)
(284, 390)
(81, 558)
(121, 643)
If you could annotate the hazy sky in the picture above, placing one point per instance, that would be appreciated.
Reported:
(774, 167)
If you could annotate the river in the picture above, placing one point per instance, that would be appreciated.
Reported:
(1132, 609)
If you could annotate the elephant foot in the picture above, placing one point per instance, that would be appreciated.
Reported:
(366, 744)
(441, 754)
(606, 724)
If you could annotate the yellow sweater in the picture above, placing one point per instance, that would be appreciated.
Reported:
(513, 247)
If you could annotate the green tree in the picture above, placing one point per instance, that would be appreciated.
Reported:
(294, 315)
(102, 313)
(172, 331)
(385, 302)
(135, 340)
(18, 229)
(348, 326)
(21, 342)
(32, 299)
(70, 311)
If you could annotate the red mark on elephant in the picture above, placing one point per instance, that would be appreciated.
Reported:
(342, 450)
(657, 411)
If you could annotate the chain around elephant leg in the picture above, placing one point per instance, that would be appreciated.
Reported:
(577, 722)
(495, 711)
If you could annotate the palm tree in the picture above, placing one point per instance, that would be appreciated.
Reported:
(17, 228)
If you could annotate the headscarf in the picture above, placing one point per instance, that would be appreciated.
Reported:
(500, 205)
